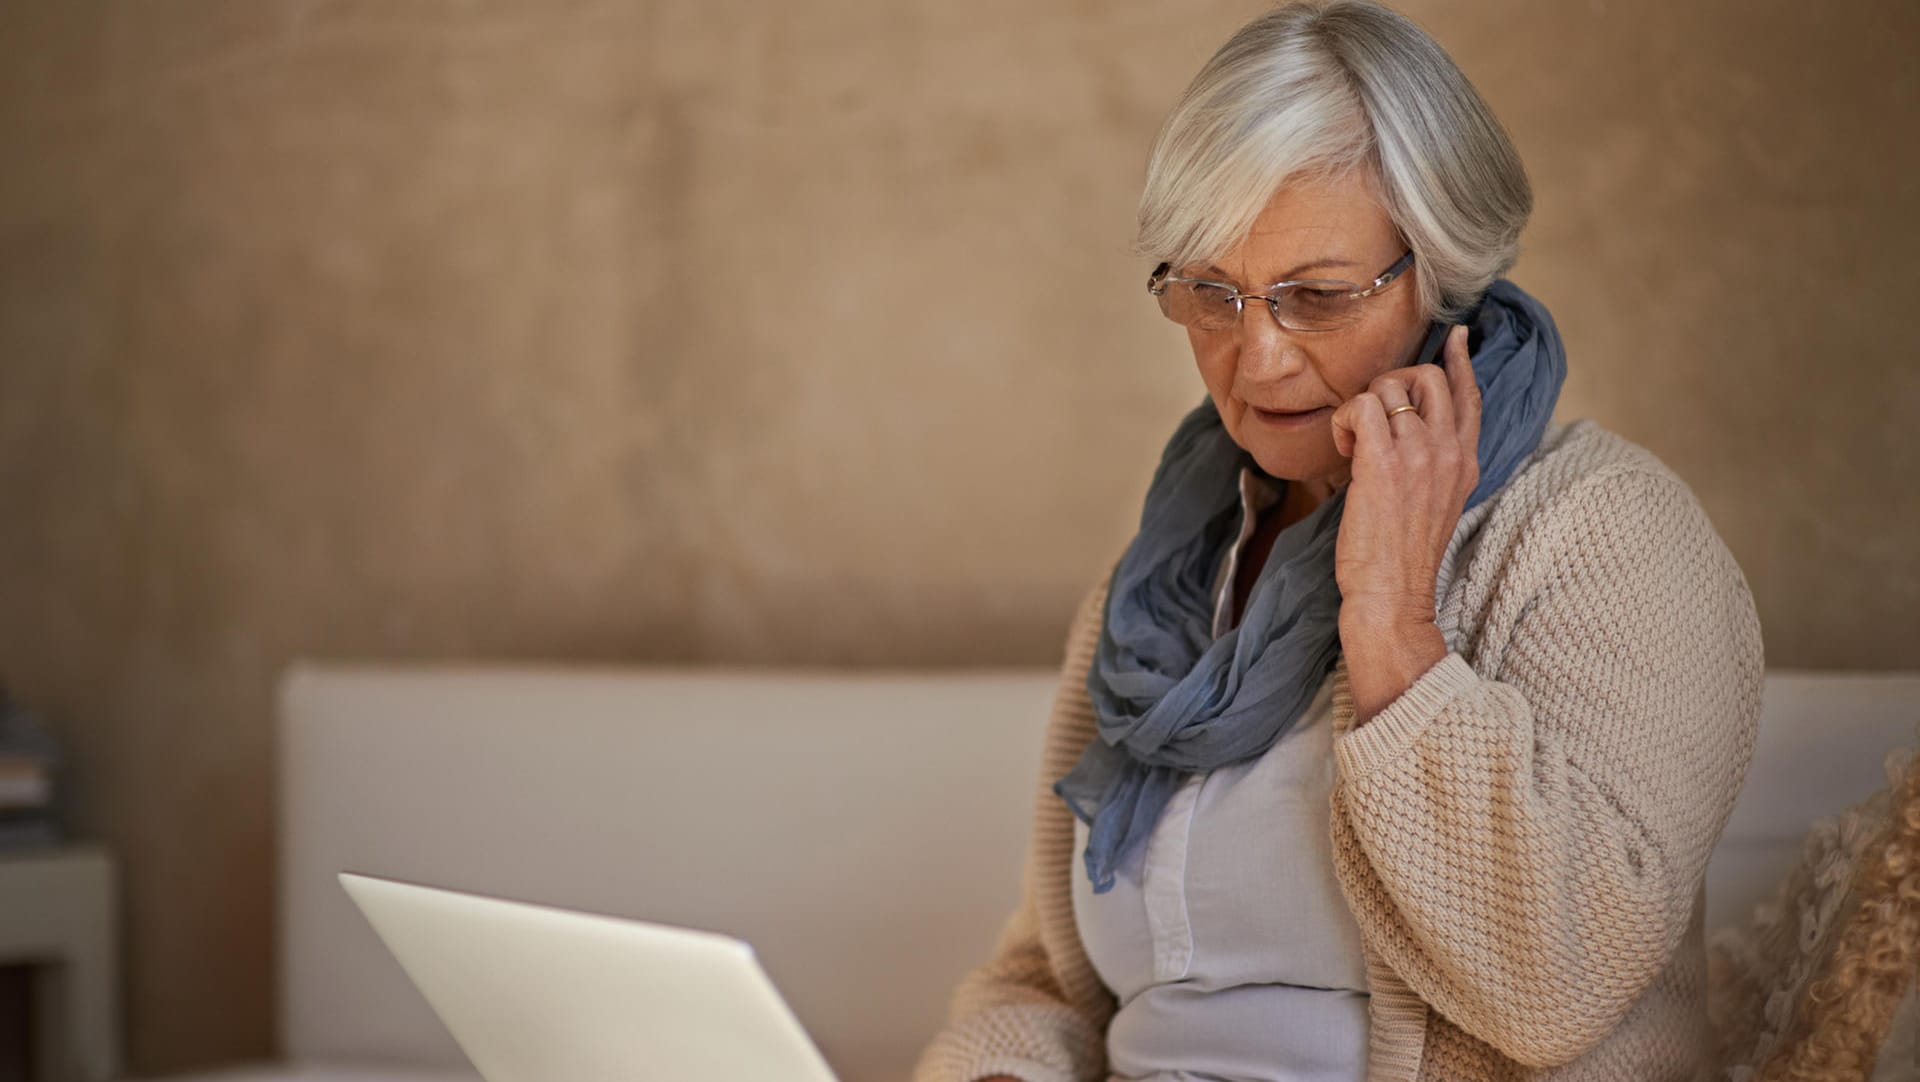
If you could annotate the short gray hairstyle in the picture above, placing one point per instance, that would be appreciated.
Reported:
(1317, 89)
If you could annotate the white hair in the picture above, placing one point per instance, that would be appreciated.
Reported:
(1316, 89)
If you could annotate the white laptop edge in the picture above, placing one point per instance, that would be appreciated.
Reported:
(534, 992)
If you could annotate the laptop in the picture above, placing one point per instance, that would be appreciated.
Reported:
(535, 993)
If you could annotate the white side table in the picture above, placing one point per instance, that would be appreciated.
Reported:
(59, 914)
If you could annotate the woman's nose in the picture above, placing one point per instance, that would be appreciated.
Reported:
(1265, 347)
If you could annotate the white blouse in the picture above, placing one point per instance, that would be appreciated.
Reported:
(1225, 938)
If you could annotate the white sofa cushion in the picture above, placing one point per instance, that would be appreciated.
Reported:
(864, 830)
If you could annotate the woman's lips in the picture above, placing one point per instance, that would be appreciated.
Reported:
(1290, 420)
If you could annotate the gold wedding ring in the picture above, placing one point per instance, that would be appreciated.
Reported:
(1397, 409)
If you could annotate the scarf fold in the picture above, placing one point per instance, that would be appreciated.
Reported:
(1168, 697)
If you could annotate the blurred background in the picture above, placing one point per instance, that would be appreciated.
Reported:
(683, 331)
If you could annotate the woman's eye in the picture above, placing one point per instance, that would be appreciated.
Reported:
(1317, 296)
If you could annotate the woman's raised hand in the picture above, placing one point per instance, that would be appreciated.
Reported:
(1412, 474)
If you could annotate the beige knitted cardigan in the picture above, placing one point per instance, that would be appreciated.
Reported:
(1522, 835)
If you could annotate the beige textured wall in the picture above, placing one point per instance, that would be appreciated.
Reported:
(365, 329)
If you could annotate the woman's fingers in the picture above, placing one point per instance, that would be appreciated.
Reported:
(1447, 397)
(1466, 392)
(1342, 433)
(1368, 423)
(1430, 389)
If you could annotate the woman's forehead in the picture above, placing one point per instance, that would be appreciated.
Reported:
(1322, 227)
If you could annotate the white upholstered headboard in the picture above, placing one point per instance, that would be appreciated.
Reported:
(864, 830)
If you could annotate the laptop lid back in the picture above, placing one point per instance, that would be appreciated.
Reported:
(535, 993)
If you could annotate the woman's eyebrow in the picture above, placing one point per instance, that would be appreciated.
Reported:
(1323, 261)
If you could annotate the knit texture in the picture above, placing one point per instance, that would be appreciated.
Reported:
(1522, 835)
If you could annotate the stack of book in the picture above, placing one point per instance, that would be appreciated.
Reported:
(27, 762)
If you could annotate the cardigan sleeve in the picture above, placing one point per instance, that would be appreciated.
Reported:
(1012, 1015)
(1529, 843)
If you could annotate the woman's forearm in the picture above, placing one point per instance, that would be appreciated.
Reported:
(1555, 815)
(1384, 658)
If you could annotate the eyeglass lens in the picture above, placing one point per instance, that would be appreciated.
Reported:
(1211, 307)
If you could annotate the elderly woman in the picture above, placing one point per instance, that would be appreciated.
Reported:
(1393, 746)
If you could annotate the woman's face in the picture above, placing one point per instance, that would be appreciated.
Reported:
(1310, 229)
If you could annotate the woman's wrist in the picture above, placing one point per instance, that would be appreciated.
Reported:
(1385, 655)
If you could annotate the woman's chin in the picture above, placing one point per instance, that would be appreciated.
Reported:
(1292, 457)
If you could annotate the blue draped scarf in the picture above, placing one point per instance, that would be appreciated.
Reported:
(1169, 698)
